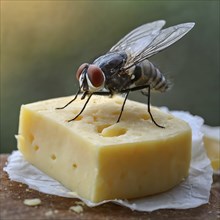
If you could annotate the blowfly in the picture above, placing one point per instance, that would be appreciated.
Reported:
(125, 67)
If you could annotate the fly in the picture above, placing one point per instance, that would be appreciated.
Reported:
(125, 67)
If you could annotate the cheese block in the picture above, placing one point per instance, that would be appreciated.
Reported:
(100, 159)
(211, 140)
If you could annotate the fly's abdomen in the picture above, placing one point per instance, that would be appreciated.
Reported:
(147, 74)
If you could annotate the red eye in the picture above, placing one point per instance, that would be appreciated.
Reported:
(95, 75)
(80, 69)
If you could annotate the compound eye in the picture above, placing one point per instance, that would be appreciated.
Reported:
(80, 70)
(95, 75)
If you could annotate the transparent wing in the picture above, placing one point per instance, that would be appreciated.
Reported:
(135, 37)
(149, 39)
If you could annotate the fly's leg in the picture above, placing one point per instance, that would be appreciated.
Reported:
(83, 96)
(126, 91)
(87, 101)
(148, 108)
(71, 100)
(148, 101)
(123, 105)
(111, 94)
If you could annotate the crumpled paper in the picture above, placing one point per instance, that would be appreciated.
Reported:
(192, 192)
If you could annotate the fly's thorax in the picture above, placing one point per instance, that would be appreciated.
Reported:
(118, 83)
(145, 73)
(111, 63)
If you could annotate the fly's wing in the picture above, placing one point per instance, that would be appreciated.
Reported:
(135, 37)
(141, 44)
(164, 39)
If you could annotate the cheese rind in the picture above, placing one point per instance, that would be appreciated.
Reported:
(100, 159)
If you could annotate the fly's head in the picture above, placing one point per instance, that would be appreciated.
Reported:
(91, 78)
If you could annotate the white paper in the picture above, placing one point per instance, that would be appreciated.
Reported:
(192, 192)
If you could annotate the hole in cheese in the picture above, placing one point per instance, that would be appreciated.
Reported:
(36, 147)
(145, 116)
(100, 128)
(80, 117)
(95, 118)
(53, 157)
(74, 165)
(114, 131)
(31, 137)
(75, 112)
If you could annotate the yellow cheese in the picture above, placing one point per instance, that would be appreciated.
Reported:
(32, 202)
(212, 145)
(100, 159)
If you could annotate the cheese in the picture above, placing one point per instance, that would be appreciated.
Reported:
(100, 159)
(212, 145)
(76, 208)
(32, 202)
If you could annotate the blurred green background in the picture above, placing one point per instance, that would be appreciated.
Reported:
(44, 42)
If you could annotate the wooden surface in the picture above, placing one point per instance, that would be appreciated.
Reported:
(12, 195)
